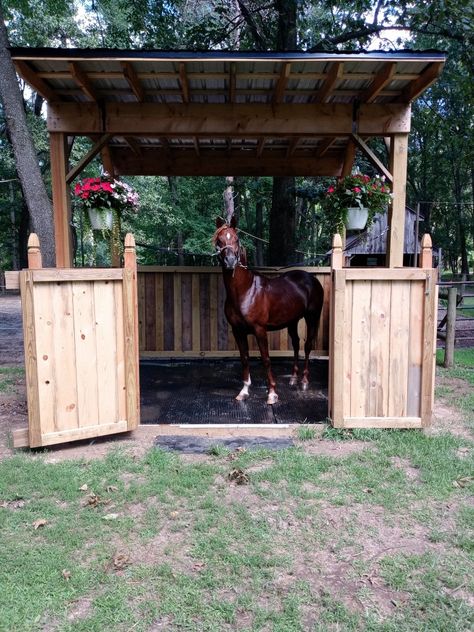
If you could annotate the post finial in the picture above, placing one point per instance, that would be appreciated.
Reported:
(426, 256)
(336, 258)
(34, 253)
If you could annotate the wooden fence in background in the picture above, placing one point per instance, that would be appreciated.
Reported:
(181, 314)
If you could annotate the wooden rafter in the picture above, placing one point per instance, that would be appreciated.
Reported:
(27, 73)
(415, 88)
(282, 82)
(378, 164)
(383, 78)
(133, 80)
(349, 158)
(134, 145)
(93, 151)
(183, 80)
(197, 150)
(332, 77)
(292, 146)
(325, 144)
(107, 161)
(232, 82)
(260, 146)
(82, 81)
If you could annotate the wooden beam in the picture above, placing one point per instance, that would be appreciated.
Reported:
(220, 163)
(232, 82)
(196, 146)
(27, 73)
(424, 81)
(260, 146)
(396, 215)
(133, 80)
(383, 78)
(183, 80)
(91, 154)
(82, 81)
(134, 144)
(377, 163)
(326, 143)
(282, 83)
(332, 77)
(61, 200)
(107, 161)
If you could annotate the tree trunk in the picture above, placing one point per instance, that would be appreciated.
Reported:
(259, 233)
(34, 190)
(282, 223)
(283, 211)
(229, 198)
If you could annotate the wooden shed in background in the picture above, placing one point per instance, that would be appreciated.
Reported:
(245, 113)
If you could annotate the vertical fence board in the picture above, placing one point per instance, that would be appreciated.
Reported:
(177, 312)
(150, 318)
(360, 360)
(168, 309)
(158, 312)
(48, 380)
(415, 349)
(399, 324)
(31, 358)
(86, 348)
(347, 373)
(186, 313)
(143, 309)
(204, 312)
(106, 352)
(379, 346)
(120, 352)
(213, 311)
(196, 314)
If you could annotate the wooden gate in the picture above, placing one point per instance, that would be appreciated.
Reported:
(81, 350)
(383, 344)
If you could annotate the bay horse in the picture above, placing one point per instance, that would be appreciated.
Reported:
(256, 304)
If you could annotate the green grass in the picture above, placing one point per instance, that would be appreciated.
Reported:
(9, 378)
(381, 539)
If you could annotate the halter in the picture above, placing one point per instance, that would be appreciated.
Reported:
(220, 249)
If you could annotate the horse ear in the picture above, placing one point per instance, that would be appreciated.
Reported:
(233, 222)
(219, 222)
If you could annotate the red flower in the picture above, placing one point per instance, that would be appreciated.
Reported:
(106, 186)
(331, 190)
(356, 190)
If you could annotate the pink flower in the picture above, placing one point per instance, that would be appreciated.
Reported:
(331, 190)
(356, 190)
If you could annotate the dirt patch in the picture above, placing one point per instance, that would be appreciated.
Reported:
(412, 473)
(447, 419)
(336, 449)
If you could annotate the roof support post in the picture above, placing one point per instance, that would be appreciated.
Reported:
(396, 215)
(61, 199)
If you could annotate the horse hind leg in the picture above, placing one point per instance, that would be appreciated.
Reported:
(312, 324)
(262, 340)
(295, 341)
(243, 345)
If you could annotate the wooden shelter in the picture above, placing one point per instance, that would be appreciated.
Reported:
(221, 113)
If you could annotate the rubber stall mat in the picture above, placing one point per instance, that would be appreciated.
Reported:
(203, 391)
(202, 445)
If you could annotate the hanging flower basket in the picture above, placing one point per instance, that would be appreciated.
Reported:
(101, 219)
(359, 192)
(357, 217)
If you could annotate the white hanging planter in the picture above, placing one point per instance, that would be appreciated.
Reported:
(101, 219)
(357, 217)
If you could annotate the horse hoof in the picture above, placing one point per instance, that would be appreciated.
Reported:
(241, 396)
(293, 381)
(272, 398)
(304, 386)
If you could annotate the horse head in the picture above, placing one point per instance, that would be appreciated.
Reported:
(227, 244)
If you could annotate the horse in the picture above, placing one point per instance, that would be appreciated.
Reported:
(256, 304)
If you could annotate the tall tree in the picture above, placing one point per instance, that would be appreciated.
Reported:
(32, 184)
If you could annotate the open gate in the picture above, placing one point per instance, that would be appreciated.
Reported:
(81, 350)
(382, 344)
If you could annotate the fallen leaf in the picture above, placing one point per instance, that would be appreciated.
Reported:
(39, 523)
(121, 560)
(83, 488)
(238, 476)
(66, 574)
(174, 514)
(463, 481)
(110, 516)
(92, 500)
(199, 566)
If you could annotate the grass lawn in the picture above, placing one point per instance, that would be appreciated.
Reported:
(364, 530)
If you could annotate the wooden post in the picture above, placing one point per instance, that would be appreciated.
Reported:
(130, 302)
(34, 253)
(450, 328)
(396, 216)
(61, 199)
(426, 255)
(336, 257)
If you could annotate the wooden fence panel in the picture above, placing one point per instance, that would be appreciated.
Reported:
(183, 315)
(81, 352)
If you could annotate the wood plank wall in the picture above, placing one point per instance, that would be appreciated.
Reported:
(181, 314)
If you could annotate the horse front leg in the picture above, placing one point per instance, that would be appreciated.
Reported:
(243, 345)
(295, 341)
(262, 340)
(312, 324)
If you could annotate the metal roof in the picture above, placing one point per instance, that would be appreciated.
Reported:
(106, 76)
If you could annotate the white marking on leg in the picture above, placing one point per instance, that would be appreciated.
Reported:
(244, 393)
(272, 398)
